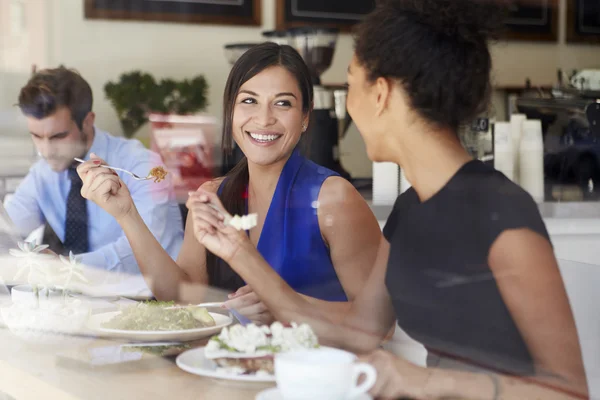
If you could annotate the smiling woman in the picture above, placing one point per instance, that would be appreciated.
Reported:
(263, 119)
(267, 103)
(268, 98)
(306, 214)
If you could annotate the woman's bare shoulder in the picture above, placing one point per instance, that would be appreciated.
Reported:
(212, 185)
(339, 200)
(336, 191)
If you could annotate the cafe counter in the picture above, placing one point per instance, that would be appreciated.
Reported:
(574, 228)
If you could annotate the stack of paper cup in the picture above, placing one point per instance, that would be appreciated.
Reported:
(503, 149)
(385, 183)
(516, 126)
(531, 159)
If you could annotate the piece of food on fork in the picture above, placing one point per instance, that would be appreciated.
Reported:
(158, 173)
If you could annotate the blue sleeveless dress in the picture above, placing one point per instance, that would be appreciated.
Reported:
(291, 240)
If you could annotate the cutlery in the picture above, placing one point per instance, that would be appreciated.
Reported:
(202, 305)
(146, 344)
(241, 319)
(136, 177)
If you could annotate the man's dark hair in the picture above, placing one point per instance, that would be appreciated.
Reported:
(50, 89)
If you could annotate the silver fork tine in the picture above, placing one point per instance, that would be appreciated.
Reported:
(136, 177)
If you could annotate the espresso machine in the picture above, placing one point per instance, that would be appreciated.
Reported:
(570, 117)
(477, 138)
(329, 119)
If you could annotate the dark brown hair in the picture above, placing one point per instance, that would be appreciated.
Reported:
(50, 89)
(251, 63)
(437, 50)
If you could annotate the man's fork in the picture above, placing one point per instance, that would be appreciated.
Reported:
(136, 177)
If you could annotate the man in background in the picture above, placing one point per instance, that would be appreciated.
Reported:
(58, 106)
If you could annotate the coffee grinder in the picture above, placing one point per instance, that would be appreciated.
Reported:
(329, 119)
(279, 37)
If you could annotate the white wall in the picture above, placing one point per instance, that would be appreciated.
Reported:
(515, 61)
(22, 43)
(101, 50)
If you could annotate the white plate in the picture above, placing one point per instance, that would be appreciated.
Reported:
(195, 362)
(95, 324)
(275, 394)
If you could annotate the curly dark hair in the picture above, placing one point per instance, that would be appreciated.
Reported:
(437, 50)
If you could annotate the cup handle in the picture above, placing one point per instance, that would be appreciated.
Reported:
(370, 379)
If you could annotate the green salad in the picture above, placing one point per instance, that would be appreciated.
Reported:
(159, 316)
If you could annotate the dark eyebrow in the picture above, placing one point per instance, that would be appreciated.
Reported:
(60, 134)
(54, 135)
(349, 69)
(287, 94)
(278, 94)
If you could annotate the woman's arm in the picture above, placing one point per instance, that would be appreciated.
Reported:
(527, 274)
(365, 323)
(353, 251)
(397, 378)
(248, 303)
(351, 232)
(371, 315)
(163, 275)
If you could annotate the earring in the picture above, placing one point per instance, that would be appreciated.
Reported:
(303, 127)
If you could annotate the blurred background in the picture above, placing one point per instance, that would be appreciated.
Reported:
(546, 69)
(48, 33)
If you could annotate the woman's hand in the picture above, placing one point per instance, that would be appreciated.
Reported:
(396, 377)
(247, 303)
(104, 187)
(222, 240)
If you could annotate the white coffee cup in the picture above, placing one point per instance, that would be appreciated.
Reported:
(24, 294)
(322, 374)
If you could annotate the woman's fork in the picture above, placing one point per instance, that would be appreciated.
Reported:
(136, 177)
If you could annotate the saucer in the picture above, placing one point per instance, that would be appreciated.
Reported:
(275, 394)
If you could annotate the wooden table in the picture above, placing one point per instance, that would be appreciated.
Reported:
(46, 372)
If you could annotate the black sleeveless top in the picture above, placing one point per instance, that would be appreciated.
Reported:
(438, 276)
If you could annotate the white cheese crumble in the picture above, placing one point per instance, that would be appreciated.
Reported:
(256, 341)
(245, 222)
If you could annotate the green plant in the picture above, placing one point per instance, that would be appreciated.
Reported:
(137, 94)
